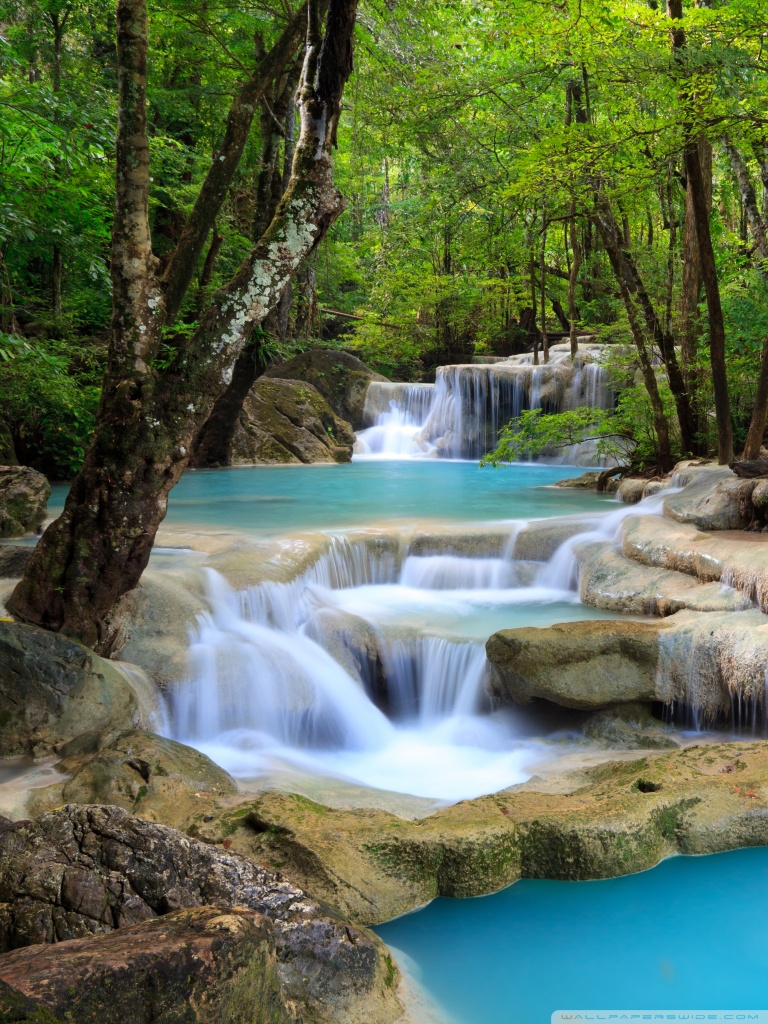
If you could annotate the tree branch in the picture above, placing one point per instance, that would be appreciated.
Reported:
(181, 268)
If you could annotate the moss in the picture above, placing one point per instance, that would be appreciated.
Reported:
(390, 978)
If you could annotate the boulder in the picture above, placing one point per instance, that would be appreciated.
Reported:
(289, 421)
(52, 689)
(587, 481)
(340, 377)
(709, 662)
(201, 966)
(152, 624)
(24, 494)
(611, 581)
(13, 559)
(714, 499)
(152, 776)
(82, 871)
(629, 727)
(630, 490)
(589, 665)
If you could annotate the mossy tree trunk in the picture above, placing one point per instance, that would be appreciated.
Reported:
(148, 416)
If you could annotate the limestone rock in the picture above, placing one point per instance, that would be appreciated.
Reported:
(704, 660)
(82, 871)
(201, 966)
(340, 377)
(629, 727)
(599, 822)
(24, 495)
(613, 582)
(151, 776)
(538, 540)
(713, 500)
(52, 689)
(630, 490)
(587, 481)
(589, 665)
(289, 421)
(152, 623)
(13, 559)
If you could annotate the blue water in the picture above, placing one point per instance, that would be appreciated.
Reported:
(281, 499)
(690, 934)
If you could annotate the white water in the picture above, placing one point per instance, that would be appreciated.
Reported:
(459, 417)
(371, 667)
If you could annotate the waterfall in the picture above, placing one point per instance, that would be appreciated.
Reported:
(342, 672)
(459, 417)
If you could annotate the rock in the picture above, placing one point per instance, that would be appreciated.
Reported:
(537, 541)
(16, 1008)
(750, 469)
(52, 689)
(655, 487)
(153, 621)
(630, 490)
(13, 559)
(341, 379)
(629, 727)
(285, 421)
(153, 777)
(587, 481)
(603, 821)
(201, 966)
(351, 641)
(24, 494)
(713, 500)
(590, 664)
(705, 661)
(613, 582)
(81, 871)
(736, 561)
(7, 448)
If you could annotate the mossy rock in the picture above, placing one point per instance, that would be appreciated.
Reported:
(341, 378)
(24, 495)
(52, 689)
(289, 421)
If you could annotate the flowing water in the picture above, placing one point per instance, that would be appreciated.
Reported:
(459, 416)
(371, 666)
(689, 934)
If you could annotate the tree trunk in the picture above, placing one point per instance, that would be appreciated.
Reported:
(214, 442)
(696, 180)
(181, 267)
(532, 273)
(543, 271)
(572, 280)
(606, 227)
(98, 548)
(757, 226)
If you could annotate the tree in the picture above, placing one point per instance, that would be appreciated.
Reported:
(151, 410)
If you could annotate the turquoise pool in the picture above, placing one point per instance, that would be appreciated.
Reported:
(281, 499)
(690, 934)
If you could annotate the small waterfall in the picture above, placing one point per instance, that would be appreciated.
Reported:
(459, 417)
(452, 572)
(562, 570)
(432, 678)
(295, 674)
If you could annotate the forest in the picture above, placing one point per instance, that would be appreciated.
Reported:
(511, 174)
(383, 510)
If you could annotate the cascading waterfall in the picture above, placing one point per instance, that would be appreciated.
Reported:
(367, 669)
(459, 417)
(269, 689)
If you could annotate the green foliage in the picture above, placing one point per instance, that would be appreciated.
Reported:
(49, 402)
